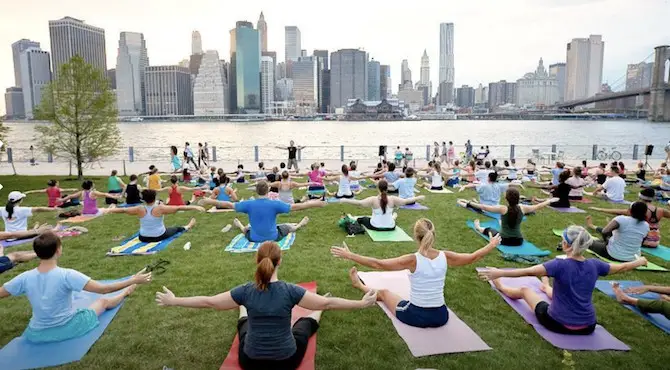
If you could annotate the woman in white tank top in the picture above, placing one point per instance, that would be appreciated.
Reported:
(425, 306)
(286, 186)
(345, 182)
(436, 180)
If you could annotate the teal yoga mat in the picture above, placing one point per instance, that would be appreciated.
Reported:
(660, 252)
(526, 249)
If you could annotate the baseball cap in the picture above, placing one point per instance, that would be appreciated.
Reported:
(15, 196)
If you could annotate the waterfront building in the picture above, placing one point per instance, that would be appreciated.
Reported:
(537, 88)
(584, 67)
(292, 43)
(557, 71)
(413, 98)
(262, 27)
(445, 94)
(374, 78)
(245, 61)
(267, 84)
(384, 110)
(501, 93)
(405, 76)
(447, 69)
(70, 37)
(348, 76)
(465, 97)
(385, 84)
(323, 56)
(14, 103)
(131, 61)
(19, 47)
(35, 75)
(638, 76)
(284, 90)
(481, 95)
(306, 85)
(196, 43)
(168, 91)
(209, 86)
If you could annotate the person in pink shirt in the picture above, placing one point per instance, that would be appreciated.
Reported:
(89, 196)
(54, 195)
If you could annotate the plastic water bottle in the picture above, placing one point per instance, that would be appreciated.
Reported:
(187, 246)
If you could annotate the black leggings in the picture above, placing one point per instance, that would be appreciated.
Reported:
(169, 232)
(303, 329)
(600, 248)
(508, 242)
(365, 221)
(543, 317)
(350, 196)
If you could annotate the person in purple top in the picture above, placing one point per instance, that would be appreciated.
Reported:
(571, 309)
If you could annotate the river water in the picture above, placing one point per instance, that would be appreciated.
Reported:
(236, 141)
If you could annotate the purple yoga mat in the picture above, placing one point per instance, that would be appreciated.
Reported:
(13, 243)
(568, 210)
(454, 337)
(600, 340)
(415, 206)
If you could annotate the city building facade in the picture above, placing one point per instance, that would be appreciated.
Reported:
(447, 69)
(131, 61)
(267, 83)
(306, 85)
(19, 47)
(405, 76)
(584, 67)
(481, 95)
(537, 88)
(465, 97)
(70, 37)
(374, 80)
(445, 94)
(557, 71)
(196, 43)
(323, 56)
(245, 69)
(385, 84)
(292, 43)
(348, 76)
(262, 27)
(209, 86)
(35, 75)
(284, 90)
(14, 103)
(168, 91)
(501, 93)
(385, 110)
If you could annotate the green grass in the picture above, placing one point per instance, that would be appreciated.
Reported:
(146, 336)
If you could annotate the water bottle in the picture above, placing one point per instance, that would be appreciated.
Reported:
(187, 246)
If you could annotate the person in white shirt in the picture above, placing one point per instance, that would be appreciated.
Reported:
(667, 152)
(577, 182)
(188, 154)
(15, 216)
(614, 187)
(482, 174)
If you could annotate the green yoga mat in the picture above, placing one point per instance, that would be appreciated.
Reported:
(397, 235)
(558, 232)
(650, 265)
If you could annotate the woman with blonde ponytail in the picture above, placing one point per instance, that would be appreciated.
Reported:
(267, 339)
(428, 267)
(571, 310)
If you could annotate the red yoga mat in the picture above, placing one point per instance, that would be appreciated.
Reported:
(231, 362)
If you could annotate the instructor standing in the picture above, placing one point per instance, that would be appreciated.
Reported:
(292, 152)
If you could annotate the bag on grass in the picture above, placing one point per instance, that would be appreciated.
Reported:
(68, 214)
(352, 227)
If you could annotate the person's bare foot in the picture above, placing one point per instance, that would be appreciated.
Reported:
(238, 224)
(129, 290)
(303, 222)
(395, 215)
(226, 228)
(620, 295)
(589, 222)
(355, 280)
(545, 284)
(477, 224)
(497, 284)
(190, 224)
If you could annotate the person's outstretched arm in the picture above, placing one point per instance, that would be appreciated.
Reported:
(168, 210)
(45, 209)
(222, 301)
(100, 194)
(468, 186)
(72, 196)
(141, 277)
(612, 211)
(648, 288)
(616, 268)
(492, 273)
(127, 210)
(307, 205)
(462, 259)
(493, 209)
(367, 202)
(4, 235)
(316, 302)
(536, 207)
(35, 191)
(407, 261)
(404, 202)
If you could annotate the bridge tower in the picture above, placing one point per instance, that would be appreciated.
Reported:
(659, 106)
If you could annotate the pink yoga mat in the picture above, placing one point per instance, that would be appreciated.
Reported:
(568, 210)
(600, 340)
(454, 337)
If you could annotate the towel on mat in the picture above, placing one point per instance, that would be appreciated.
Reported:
(526, 249)
(650, 265)
(134, 247)
(240, 244)
(15, 242)
(656, 319)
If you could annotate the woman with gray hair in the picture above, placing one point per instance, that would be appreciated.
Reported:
(571, 309)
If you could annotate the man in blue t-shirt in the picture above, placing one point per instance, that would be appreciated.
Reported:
(263, 213)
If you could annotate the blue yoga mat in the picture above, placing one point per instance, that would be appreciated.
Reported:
(22, 354)
(660, 252)
(124, 205)
(240, 244)
(656, 319)
(526, 249)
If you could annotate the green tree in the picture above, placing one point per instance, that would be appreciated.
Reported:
(81, 109)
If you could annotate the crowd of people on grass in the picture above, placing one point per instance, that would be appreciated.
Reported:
(267, 338)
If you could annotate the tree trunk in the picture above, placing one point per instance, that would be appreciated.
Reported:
(80, 169)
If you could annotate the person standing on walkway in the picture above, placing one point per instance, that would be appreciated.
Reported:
(292, 155)
(468, 150)
(667, 152)
(188, 155)
(202, 155)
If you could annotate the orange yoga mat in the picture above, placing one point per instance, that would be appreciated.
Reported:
(231, 361)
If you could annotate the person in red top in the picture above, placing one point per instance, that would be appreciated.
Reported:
(175, 197)
(54, 195)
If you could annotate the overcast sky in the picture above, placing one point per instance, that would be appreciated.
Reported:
(494, 39)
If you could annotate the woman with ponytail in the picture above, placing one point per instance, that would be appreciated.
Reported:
(622, 238)
(571, 309)
(426, 307)
(383, 218)
(15, 216)
(267, 340)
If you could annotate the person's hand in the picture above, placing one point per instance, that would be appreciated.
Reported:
(641, 261)
(637, 289)
(553, 200)
(490, 273)
(495, 241)
(461, 189)
(462, 202)
(142, 277)
(165, 298)
(319, 203)
(370, 298)
(340, 252)
(665, 297)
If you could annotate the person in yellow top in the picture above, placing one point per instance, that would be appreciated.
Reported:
(154, 181)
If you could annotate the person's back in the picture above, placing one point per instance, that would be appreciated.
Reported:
(381, 219)
(150, 225)
(262, 217)
(626, 241)
(19, 219)
(133, 194)
(489, 193)
(615, 187)
(578, 183)
(482, 174)
(574, 282)
(654, 217)
(427, 281)
(562, 192)
(510, 229)
(285, 192)
(113, 184)
(154, 182)
(555, 172)
(53, 194)
(269, 316)
(405, 187)
(223, 195)
(391, 176)
(175, 197)
(90, 204)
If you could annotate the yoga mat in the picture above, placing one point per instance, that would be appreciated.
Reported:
(443, 191)
(15, 242)
(397, 235)
(416, 206)
(657, 319)
(332, 200)
(216, 210)
(599, 340)
(240, 244)
(485, 213)
(568, 210)
(660, 252)
(526, 249)
(650, 265)
(134, 247)
(124, 205)
(22, 354)
(79, 219)
(454, 337)
(232, 359)
(584, 200)
(619, 202)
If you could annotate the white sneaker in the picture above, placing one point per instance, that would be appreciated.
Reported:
(226, 228)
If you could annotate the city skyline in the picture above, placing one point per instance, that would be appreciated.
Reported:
(478, 53)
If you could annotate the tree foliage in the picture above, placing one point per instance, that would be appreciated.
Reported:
(81, 109)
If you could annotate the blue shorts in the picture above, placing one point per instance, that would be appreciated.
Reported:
(5, 264)
(83, 321)
(420, 317)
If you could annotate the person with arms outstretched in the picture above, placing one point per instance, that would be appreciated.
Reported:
(292, 155)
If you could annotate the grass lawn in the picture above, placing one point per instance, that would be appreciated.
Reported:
(145, 336)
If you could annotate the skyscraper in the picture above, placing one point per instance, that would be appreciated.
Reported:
(537, 88)
(374, 80)
(306, 85)
(35, 75)
(17, 48)
(263, 30)
(385, 86)
(267, 83)
(447, 71)
(14, 103)
(168, 91)
(70, 37)
(323, 58)
(292, 43)
(584, 67)
(425, 69)
(209, 95)
(638, 76)
(481, 94)
(465, 96)
(196, 43)
(405, 76)
(348, 76)
(557, 71)
(245, 69)
(501, 93)
(131, 61)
